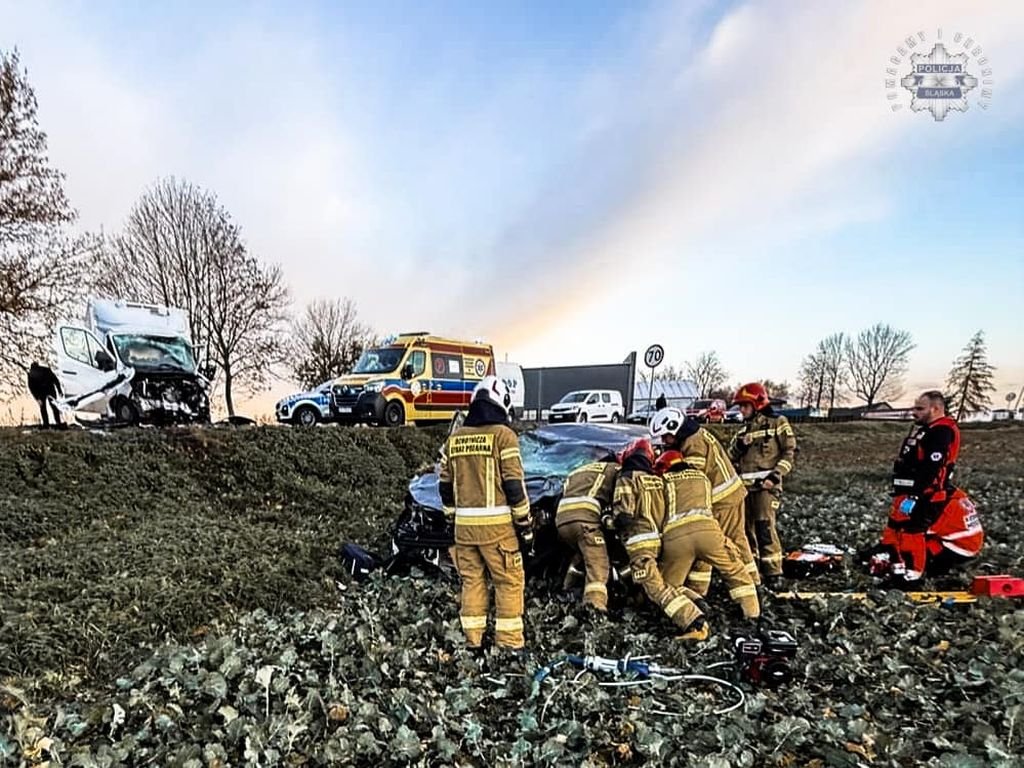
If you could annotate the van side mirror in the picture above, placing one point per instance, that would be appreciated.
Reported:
(407, 371)
(104, 361)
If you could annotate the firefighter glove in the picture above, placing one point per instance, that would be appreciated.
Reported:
(525, 533)
(775, 477)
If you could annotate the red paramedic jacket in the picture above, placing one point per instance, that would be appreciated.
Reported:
(927, 460)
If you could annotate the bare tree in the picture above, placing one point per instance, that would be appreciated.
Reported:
(969, 384)
(327, 340)
(42, 267)
(165, 254)
(824, 373)
(246, 319)
(877, 361)
(778, 389)
(831, 353)
(180, 248)
(707, 373)
(812, 379)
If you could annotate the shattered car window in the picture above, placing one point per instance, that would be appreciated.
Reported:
(544, 457)
(155, 352)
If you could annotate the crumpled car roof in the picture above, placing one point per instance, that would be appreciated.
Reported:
(549, 453)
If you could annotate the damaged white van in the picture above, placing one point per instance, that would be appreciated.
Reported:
(132, 362)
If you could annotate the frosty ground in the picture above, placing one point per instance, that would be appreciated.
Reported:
(175, 598)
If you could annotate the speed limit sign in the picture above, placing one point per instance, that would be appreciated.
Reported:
(654, 355)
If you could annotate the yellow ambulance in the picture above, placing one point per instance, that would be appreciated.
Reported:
(411, 378)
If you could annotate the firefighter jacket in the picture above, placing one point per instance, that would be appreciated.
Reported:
(926, 462)
(481, 483)
(639, 507)
(587, 491)
(702, 451)
(763, 448)
(687, 495)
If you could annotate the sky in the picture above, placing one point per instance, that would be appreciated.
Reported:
(571, 181)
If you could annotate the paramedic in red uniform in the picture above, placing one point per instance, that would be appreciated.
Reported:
(933, 525)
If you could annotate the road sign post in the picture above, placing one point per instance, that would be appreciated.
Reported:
(652, 359)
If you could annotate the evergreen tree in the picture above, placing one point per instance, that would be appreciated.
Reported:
(969, 385)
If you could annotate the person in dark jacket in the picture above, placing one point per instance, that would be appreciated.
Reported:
(45, 387)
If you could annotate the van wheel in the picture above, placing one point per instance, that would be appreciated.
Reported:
(125, 411)
(616, 418)
(582, 418)
(306, 416)
(394, 414)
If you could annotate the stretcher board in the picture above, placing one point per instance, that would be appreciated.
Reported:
(958, 596)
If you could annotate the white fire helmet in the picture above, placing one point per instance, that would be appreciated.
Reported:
(494, 389)
(667, 421)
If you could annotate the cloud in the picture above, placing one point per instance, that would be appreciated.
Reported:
(249, 110)
(567, 213)
(779, 118)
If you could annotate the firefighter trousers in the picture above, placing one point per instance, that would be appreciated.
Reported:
(677, 602)
(731, 517)
(762, 510)
(503, 561)
(588, 544)
(704, 541)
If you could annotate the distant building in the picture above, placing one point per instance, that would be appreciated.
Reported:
(679, 393)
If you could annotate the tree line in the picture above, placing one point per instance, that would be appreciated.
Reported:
(178, 246)
(869, 367)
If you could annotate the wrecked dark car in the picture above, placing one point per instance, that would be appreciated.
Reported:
(422, 535)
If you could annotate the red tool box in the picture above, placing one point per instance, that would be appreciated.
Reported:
(998, 586)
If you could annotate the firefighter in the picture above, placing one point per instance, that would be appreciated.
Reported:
(639, 509)
(933, 525)
(481, 486)
(701, 451)
(582, 518)
(763, 452)
(691, 534)
(45, 387)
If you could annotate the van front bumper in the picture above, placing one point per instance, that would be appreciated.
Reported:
(563, 416)
(370, 407)
(366, 407)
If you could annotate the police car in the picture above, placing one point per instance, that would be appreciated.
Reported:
(306, 409)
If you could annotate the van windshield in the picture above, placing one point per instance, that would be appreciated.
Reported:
(574, 397)
(380, 360)
(155, 353)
